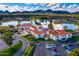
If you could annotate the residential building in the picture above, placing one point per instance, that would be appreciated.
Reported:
(40, 32)
(27, 26)
(59, 34)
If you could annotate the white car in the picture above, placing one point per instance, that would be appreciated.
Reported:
(50, 45)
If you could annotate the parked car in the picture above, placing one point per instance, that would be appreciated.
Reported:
(57, 54)
(50, 45)
(38, 44)
(54, 49)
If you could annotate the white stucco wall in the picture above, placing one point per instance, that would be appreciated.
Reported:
(61, 37)
(61, 26)
(39, 35)
(58, 27)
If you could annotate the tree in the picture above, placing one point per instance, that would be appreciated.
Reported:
(50, 26)
(19, 21)
(72, 54)
(13, 29)
(75, 52)
(65, 27)
(37, 23)
(3, 29)
(7, 37)
(11, 26)
(0, 23)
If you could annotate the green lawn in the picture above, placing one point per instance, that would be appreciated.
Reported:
(72, 22)
(32, 39)
(76, 38)
(71, 31)
(12, 50)
(29, 38)
(42, 40)
(29, 51)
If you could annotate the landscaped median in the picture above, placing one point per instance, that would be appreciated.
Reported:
(29, 51)
(12, 50)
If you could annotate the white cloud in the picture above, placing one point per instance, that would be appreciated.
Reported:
(3, 7)
(10, 8)
(14, 8)
(52, 6)
(73, 8)
(55, 7)
(30, 8)
(70, 8)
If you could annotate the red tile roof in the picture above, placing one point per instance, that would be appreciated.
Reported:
(53, 32)
(58, 32)
(30, 25)
(38, 32)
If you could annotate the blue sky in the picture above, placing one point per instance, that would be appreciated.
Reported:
(71, 7)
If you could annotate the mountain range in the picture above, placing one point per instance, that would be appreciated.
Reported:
(39, 11)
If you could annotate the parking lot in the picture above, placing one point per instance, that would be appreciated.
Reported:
(56, 50)
(42, 50)
(69, 47)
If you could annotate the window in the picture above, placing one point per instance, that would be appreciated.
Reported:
(69, 35)
(57, 36)
(39, 35)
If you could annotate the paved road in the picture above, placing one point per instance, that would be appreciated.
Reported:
(23, 48)
(3, 45)
(40, 50)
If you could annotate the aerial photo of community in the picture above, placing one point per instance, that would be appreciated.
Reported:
(39, 29)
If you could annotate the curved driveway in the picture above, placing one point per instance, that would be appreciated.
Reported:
(24, 46)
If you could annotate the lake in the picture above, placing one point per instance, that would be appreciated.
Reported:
(14, 23)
